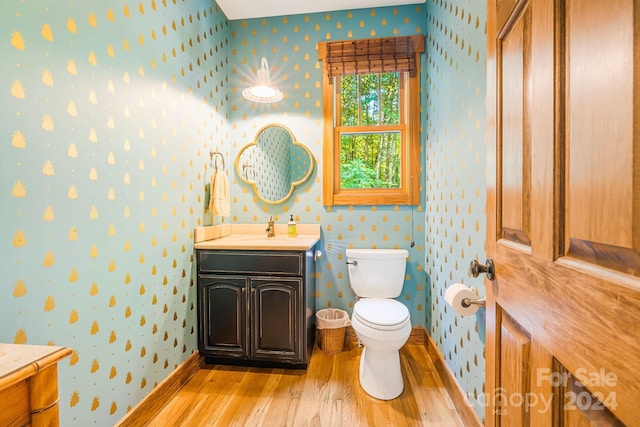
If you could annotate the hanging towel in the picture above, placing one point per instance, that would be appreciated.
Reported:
(219, 194)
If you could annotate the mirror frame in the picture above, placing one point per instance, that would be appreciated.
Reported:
(238, 167)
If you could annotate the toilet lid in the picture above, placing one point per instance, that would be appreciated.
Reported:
(381, 313)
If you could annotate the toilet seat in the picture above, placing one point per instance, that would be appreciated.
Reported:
(381, 313)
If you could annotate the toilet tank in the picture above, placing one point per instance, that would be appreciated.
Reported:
(377, 273)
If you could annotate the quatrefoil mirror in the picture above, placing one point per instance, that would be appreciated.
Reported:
(274, 164)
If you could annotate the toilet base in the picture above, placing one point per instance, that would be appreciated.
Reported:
(380, 374)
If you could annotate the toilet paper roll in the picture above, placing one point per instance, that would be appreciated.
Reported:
(454, 296)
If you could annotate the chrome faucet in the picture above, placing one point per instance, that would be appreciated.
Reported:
(271, 228)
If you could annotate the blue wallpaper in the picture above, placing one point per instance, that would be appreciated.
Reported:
(456, 182)
(108, 113)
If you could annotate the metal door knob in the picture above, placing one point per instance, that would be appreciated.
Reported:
(488, 268)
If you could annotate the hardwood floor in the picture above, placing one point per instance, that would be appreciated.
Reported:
(327, 394)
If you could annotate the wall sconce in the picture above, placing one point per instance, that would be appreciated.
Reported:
(262, 91)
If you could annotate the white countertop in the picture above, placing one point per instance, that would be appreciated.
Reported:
(254, 237)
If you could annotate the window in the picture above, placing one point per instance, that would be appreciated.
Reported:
(371, 113)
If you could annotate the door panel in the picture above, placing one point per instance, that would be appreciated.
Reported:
(579, 407)
(515, 163)
(563, 171)
(515, 352)
(600, 147)
(600, 71)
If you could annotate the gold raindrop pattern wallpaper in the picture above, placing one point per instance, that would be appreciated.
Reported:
(290, 45)
(271, 163)
(456, 182)
(109, 111)
(300, 162)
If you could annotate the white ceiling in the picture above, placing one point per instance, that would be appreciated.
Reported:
(246, 9)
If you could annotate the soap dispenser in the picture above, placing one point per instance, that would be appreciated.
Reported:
(291, 227)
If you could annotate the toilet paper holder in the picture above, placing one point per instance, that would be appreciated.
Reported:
(468, 302)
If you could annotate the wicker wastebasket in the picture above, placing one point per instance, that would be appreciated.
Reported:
(332, 325)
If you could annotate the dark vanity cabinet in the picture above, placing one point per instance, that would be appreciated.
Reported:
(256, 307)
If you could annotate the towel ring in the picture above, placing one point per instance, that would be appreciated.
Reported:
(215, 154)
(246, 168)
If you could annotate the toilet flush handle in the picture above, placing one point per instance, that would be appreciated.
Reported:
(354, 263)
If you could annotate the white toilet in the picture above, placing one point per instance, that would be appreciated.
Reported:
(381, 323)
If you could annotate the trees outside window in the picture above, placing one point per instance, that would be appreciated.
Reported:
(371, 121)
(369, 130)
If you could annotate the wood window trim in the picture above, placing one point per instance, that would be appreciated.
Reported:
(409, 191)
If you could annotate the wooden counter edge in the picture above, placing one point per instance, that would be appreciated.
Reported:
(34, 366)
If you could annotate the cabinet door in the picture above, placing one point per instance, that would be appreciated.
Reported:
(277, 332)
(223, 327)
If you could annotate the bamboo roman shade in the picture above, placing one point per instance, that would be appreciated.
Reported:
(367, 56)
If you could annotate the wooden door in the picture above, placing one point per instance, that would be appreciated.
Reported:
(563, 212)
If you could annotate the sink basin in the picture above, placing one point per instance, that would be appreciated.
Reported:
(258, 238)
